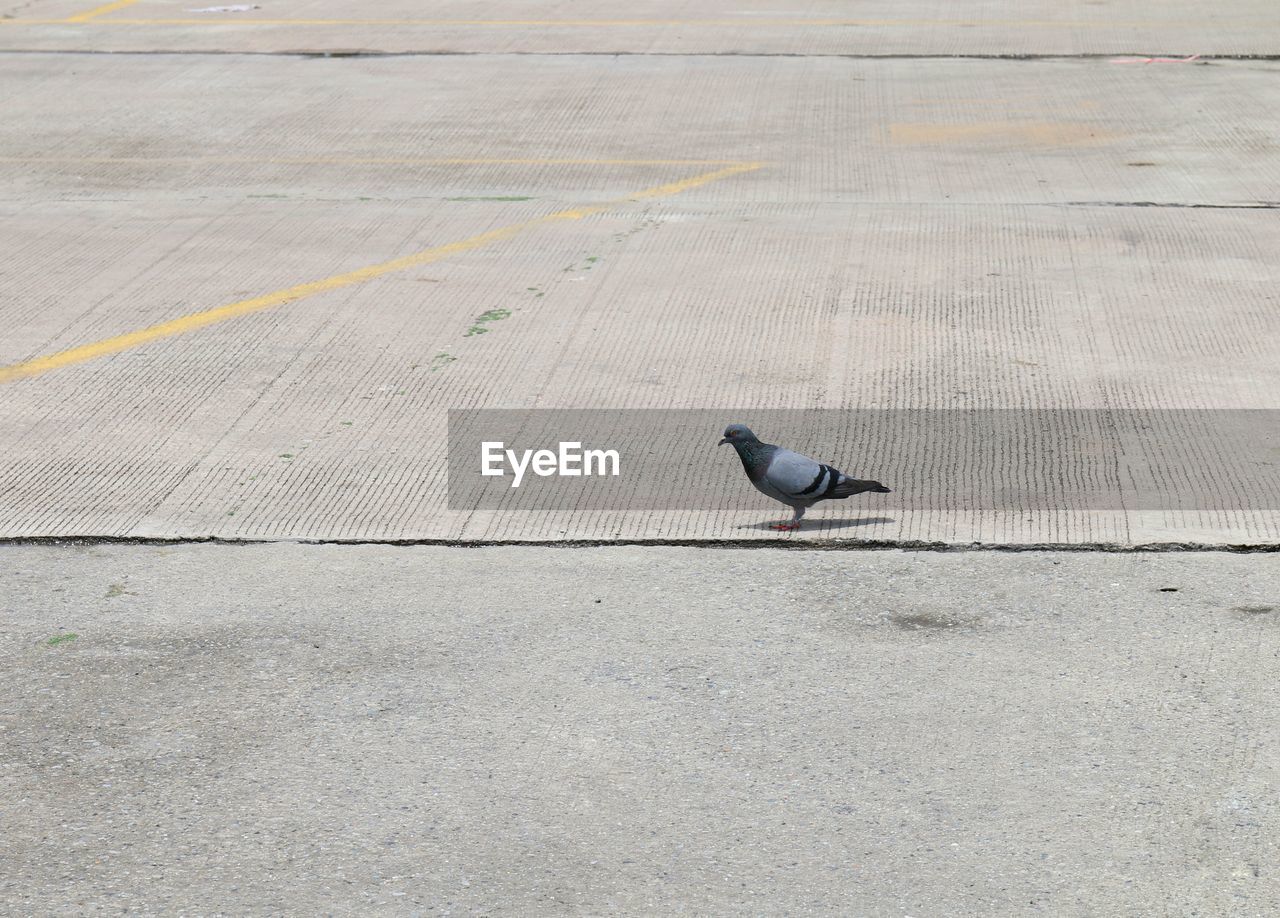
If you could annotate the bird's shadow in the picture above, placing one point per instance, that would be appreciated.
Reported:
(820, 523)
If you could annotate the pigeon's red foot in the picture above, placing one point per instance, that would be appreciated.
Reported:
(786, 527)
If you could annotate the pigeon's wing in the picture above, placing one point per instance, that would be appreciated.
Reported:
(798, 477)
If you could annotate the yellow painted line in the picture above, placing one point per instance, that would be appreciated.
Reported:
(358, 161)
(101, 11)
(1038, 134)
(198, 320)
(498, 23)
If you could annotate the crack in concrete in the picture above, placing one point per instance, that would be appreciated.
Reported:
(1256, 205)
(342, 54)
(786, 545)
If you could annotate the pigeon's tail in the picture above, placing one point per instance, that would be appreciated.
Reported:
(851, 486)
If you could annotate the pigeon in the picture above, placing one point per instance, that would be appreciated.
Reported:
(795, 480)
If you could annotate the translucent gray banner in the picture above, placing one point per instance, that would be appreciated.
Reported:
(956, 460)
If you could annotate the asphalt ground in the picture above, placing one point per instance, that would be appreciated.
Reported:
(293, 729)
(245, 281)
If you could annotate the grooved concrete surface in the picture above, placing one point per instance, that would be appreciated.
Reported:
(703, 230)
(372, 729)
(878, 27)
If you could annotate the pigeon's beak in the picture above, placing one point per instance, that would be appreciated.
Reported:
(723, 441)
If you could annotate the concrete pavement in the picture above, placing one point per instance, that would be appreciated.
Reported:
(243, 289)
(253, 259)
(347, 729)
(722, 27)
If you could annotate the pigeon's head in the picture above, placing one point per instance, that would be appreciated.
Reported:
(738, 433)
